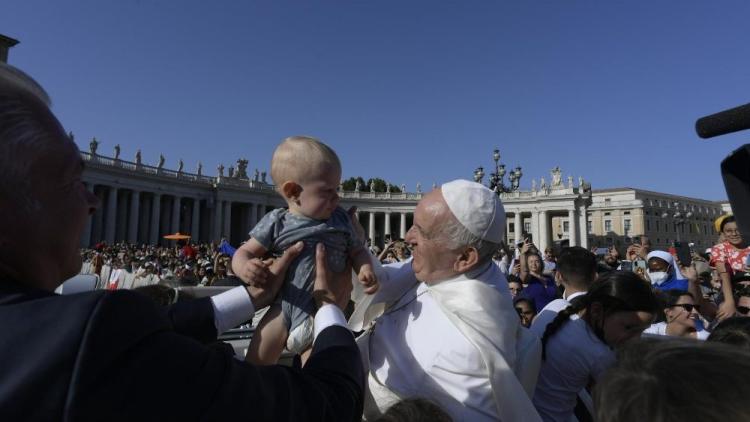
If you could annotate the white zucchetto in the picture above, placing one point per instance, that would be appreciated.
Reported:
(477, 208)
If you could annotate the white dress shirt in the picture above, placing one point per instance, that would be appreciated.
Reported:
(233, 307)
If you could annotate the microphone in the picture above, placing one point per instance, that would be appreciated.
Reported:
(723, 122)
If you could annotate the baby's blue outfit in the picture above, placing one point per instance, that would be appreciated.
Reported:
(280, 229)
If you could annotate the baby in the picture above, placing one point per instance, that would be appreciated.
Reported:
(306, 173)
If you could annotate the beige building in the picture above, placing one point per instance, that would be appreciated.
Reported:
(616, 215)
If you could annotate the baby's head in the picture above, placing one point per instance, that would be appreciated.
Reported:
(307, 173)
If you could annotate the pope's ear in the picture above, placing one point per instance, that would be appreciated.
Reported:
(291, 190)
(467, 260)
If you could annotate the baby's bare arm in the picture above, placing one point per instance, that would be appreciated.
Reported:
(362, 264)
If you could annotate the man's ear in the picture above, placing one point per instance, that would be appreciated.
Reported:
(467, 260)
(291, 190)
(558, 278)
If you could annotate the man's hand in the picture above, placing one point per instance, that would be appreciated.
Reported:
(330, 288)
(255, 272)
(263, 292)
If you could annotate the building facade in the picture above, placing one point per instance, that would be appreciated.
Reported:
(142, 203)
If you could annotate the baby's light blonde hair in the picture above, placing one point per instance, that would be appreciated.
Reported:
(302, 158)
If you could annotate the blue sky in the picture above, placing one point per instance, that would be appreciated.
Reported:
(411, 91)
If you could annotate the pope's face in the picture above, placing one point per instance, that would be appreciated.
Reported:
(432, 260)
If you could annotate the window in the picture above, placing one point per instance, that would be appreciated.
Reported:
(527, 226)
(512, 227)
(648, 225)
(606, 213)
(566, 226)
(607, 226)
(657, 225)
(626, 213)
(626, 226)
(704, 229)
(589, 226)
(607, 201)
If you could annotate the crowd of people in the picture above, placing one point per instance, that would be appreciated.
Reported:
(448, 323)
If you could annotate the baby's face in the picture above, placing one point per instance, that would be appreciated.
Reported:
(319, 197)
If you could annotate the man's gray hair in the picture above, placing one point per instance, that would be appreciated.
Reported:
(23, 128)
(457, 236)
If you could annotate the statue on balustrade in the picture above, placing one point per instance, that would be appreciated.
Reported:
(256, 176)
(93, 145)
(419, 187)
(242, 169)
(161, 161)
(357, 186)
(263, 177)
(387, 188)
(570, 182)
(403, 188)
(231, 172)
(138, 158)
(372, 185)
(533, 185)
(180, 166)
(556, 180)
(117, 152)
(580, 182)
(542, 184)
(200, 168)
(220, 169)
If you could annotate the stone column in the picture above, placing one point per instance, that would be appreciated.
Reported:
(195, 231)
(86, 235)
(155, 214)
(218, 216)
(253, 215)
(227, 231)
(109, 230)
(583, 229)
(371, 231)
(176, 214)
(402, 229)
(135, 207)
(387, 225)
(543, 231)
(518, 226)
(535, 236)
(572, 227)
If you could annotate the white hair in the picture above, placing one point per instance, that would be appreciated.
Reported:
(24, 128)
(456, 236)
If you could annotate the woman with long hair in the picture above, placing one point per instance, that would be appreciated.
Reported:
(578, 344)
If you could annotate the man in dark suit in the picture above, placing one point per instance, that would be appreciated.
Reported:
(115, 355)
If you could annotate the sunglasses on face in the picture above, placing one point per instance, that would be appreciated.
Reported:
(743, 310)
(688, 307)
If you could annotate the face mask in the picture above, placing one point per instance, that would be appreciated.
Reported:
(658, 277)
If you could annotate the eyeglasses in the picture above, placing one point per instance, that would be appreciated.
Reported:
(743, 310)
(688, 307)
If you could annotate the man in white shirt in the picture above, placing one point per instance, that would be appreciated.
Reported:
(448, 330)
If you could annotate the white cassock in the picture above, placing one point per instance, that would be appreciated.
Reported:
(458, 343)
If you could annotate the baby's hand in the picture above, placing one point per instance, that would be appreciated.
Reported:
(368, 279)
(255, 272)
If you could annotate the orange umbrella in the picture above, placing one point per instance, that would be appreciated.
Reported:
(177, 236)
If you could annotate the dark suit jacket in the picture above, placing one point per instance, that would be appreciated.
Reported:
(116, 356)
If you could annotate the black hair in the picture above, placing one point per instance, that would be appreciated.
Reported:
(530, 301)
(734, 331)
(724, 222)
(577, 266)
(616, 291)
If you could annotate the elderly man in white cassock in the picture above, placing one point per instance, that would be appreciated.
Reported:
(443, 326)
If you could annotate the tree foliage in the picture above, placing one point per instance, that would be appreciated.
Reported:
(364, 186)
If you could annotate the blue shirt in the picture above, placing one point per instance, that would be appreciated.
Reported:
(537, 291)
(672, 284)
